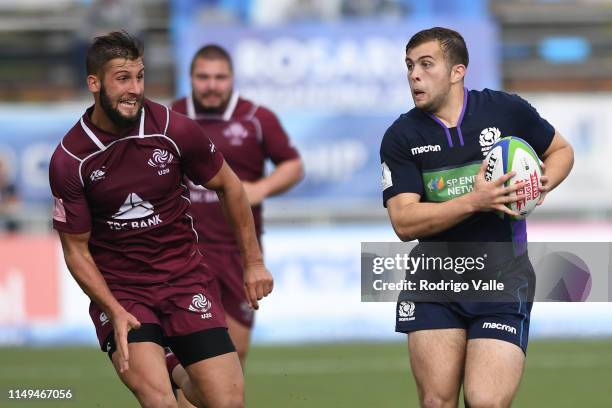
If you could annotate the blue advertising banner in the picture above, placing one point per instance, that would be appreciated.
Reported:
(341, 155)
(336, 87)
(29, 137)
(346, 66)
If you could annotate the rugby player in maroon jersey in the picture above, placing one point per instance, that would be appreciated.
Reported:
(122, 213)
(247, 134)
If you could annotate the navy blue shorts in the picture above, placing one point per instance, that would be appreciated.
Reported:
(502, 321)
(507, 321)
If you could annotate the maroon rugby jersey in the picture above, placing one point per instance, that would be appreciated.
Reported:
(129, 192)
(247, 135)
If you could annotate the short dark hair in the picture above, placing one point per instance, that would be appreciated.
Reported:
(118, 44)
(451, 42)
(211, 52)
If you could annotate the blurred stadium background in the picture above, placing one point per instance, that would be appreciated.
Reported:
(333, 70)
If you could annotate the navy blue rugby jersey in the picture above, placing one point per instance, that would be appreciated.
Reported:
(419, 154)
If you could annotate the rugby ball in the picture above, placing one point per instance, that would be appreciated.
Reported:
(514, 154)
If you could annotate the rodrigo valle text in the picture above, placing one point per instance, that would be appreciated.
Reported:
(490, 285)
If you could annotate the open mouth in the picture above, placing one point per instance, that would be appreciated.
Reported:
(129, 104)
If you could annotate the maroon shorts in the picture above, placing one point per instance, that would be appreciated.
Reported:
(226, 265)
(189, 304)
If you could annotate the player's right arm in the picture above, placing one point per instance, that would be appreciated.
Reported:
(85, 272)
(413, 219)
(403, 187)
(72, 220)
(258, 281)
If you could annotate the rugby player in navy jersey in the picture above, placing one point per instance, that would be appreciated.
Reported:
(478, 345)
(122, 213)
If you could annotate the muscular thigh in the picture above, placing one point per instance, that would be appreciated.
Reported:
(493, 370)
(437, 358)
(217, 377)
(147, 376)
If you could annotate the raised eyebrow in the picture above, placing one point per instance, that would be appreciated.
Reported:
(420, 58)
(125, 71)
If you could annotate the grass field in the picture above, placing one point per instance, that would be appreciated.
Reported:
(558, 374)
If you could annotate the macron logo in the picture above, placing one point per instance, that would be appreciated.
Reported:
(425, 149)
(499, 326)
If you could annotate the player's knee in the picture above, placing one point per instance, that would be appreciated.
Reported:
(436, 400)
(225, 397)
(232, 401)
(155, 399)
(235, 398)
(485, 399)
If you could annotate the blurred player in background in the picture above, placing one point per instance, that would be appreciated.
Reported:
(121, 214)
(479, 344)
(247, 134)
(9, 200)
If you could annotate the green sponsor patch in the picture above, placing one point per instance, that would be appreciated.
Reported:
(448, 183)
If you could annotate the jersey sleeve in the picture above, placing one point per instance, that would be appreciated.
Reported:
(71, 211)
(534, 129)
(275, 141)
(200, 160)
(179, 106)
(400, 174)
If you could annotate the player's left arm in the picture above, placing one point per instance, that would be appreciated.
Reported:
(257, 279)
(202, 163)
(558, 160)
(285, 175)
(289, 169)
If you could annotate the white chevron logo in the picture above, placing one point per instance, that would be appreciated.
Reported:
(134, 207)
